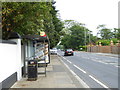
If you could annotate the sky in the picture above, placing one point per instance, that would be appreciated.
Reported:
(90, 12)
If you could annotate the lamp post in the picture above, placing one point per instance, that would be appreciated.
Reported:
(85, 39)
(90, 41)
(89, 38)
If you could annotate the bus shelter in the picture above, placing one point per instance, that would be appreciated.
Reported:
(36, 47)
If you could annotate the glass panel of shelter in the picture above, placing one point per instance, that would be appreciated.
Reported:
(29, 54)
(38, 50)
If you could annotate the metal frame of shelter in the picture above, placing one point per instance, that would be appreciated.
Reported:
(36, 47)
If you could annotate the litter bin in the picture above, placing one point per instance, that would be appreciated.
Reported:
(32, 70)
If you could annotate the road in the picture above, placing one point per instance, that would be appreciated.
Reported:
(96, 70)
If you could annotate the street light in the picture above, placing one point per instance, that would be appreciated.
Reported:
(85, 38)
(90, 40)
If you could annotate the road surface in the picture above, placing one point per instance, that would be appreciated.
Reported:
(96, 70)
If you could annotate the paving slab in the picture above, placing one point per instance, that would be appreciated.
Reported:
(58, 76)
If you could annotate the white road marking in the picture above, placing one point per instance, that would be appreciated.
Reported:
(80, 80)
(99, 82)
(77, 77)
(99, 61)
(69, 61)
(95, 58)
(64, 57)
(80, 69)
(64, 63)
(102, 62)
(117, 66)
(73, 72)
(66, 66)
(112, 57)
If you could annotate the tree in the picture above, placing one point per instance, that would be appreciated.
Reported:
(31, 18)
(23, 17)
(76, 36)
(55, 33)
(116, 33)
(105, 33)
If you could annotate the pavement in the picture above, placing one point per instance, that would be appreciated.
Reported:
(109, 54)
(104, 54)
(57, 76)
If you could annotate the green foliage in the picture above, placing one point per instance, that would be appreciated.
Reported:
(106, 42)
(116, 33)
(31, 18)
(93, 39)
(115, 40)
(66, 41)
(60, 47)
(76, 35)
(55, 33)
(82, 48)
(106, 33)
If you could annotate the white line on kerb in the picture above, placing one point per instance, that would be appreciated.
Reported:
(99, 82)
(69, 61)
(64, 57)
(64, 63)
(80, 80)
(73, 72)
(66, 66)
(79, 68)
(77, 77)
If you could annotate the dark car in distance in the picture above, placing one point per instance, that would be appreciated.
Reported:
(68, 52)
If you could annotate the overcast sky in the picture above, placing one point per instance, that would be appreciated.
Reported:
(90, 12)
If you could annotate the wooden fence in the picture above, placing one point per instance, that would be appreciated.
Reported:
(114, 49)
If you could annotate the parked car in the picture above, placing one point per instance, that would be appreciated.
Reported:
(53, 51)
(68, 52)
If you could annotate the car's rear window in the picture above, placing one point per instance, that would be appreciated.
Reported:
(54, 49)
(69, 50)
